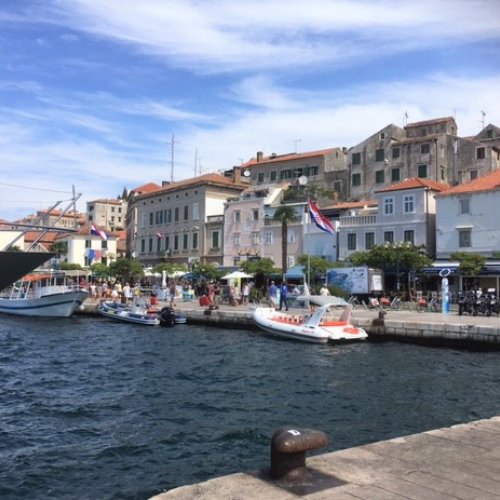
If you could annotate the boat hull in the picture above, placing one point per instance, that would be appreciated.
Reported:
(58, 305)
(118, 312)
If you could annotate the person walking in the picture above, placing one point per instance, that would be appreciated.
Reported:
(283, 297)
(273, 295)
(324, 290)
(246, 293)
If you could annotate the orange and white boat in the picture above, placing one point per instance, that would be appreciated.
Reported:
(321, 324)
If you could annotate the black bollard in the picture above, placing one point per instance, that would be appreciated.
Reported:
(288, 451)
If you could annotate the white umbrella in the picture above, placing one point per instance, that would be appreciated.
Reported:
(176, 274)
(236, 275)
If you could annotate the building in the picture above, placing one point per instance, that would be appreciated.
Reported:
(405, 212)
(181, 222)
(109, 214)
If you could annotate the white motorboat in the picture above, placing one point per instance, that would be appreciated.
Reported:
(128, 314)
(321, 325)
(46, 295)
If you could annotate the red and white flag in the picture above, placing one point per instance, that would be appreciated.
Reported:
(319, 219)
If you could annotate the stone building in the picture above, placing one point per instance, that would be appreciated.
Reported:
(110, 214)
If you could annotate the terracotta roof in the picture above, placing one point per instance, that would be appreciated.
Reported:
(415, 183)
(146, 188)
(217, 179)
(49, 237)
(289, 156)
(488, 182)
(346, 205)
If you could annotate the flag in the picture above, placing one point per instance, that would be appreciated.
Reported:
(159, 236)
(98, 232)
(319, 219)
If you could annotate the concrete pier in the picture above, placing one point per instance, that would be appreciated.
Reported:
(462, 461)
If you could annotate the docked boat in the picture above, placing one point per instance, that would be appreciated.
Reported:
(141, 315)
(128, 314)
(46, 295)
(319, 325)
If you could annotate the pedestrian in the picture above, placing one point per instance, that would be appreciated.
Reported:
(283, 297)
(173, 291)
(273, 295)
(324, 290)
(246, 293)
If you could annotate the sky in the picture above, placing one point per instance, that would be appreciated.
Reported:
(105, 95)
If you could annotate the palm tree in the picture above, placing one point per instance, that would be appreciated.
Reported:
(284, 214)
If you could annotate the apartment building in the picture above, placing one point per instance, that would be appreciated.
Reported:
(109, 214)
(180, 222)
(405, 212)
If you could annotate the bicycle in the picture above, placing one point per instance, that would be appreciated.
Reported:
(354, 301)
(391, 305)
(433, 305)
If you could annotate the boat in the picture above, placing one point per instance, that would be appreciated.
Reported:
(45, 294)
(318, 324)
(140, 314)
(128, 314)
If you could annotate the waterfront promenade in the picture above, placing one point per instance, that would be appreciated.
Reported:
(459, 462)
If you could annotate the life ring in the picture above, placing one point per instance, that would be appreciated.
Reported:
(444, 273)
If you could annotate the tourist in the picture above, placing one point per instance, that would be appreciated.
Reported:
(283, 297)
(324, 290)
(246, 293)
(173, 291)
(127, 293)
(273, 294)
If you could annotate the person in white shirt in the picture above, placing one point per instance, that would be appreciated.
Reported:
(324, 290)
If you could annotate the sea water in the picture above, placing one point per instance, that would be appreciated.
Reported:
(94, 409)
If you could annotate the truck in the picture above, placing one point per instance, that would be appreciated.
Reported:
(361, 280)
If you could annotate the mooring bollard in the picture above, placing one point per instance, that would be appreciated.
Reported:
(288, 451)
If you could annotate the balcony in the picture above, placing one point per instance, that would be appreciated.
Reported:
(358, 220)
(269, 221)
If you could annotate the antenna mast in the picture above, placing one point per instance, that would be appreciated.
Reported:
(172, 148)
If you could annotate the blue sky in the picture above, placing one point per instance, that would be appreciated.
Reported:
(91, 91)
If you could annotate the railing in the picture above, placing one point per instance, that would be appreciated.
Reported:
(358, 220)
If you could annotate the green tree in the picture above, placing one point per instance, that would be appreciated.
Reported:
(59, 248)
(66, 266)
(398, 259)
(126, 269)
(285, 214)
(208, 271)
(261, 269)
(470, 263)
(100, 270)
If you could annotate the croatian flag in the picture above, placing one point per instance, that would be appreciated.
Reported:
(98, 232)
(319, 219)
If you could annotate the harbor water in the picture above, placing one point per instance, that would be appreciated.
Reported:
(95, 409)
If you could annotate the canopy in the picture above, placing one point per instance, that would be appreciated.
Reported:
(236, 275)
(176, 274)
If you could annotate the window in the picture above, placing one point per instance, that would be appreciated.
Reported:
(255, 238)
(158, 244)
(176, 242)
(480, 153)
(422, 171)
(395, 175)
(356, 179)
(176, 214)
(464, 205)
(159, 217)
(167, 242)
(88, 244)
(388, 206)
(356, 158)
(396, 152)
(215, 239)
(168, 215)
(260, 177)
(388, 236)
(143, 245)
(286, 174)
(236, 239)
(409, 236)
(369, 240)
(489, 134)
(268, 238)
(291, 237)
(351, 241)
(379, 155)
(379, 176)
(196, 211)
(273, 175)
(150, 245)
(290, 260)
(409, 204)
(185, 241)
(237, 216)
(464, 238)
(186, 212)
(473, 174)
(151, 218)
(381, 136)
(425, 148)
(442, 173)
(194, 241)
(255, 214)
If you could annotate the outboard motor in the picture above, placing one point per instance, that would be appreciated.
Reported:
(167, 316)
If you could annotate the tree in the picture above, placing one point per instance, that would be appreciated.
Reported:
(284, 214)
(317, 265)
(398, 258)
(261, 269)
(126, 269)
(100, 270)
(208, 271)
(470, 263)
(59, 248)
